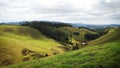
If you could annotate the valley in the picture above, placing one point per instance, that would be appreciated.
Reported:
(50, 45)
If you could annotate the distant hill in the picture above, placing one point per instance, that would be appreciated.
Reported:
(94, 26)
(91, 26)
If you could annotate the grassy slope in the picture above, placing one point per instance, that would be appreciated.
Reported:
(81, 31)
(13, 39)
(106, 55)
(112, 35)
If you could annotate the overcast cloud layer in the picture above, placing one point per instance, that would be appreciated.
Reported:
(70, 11)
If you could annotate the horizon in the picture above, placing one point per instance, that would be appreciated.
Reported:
(99, 12)
(62, 22)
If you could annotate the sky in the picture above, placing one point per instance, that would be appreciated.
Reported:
(69, 11)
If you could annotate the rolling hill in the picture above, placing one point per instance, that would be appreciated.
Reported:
(19, 43)
(77, 34)
(62, 32)
(112, 35)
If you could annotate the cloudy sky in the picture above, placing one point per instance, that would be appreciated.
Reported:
(70, 11)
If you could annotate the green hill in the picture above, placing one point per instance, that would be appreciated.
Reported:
(78, 34)
(101, 56)
(18, 43)
(62, 32)
(112, 35)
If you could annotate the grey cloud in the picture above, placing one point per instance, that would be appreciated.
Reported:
(114, 4)
(116, 16)
(108, 10)
(60, 11)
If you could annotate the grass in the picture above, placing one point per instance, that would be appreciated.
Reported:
(112, 35)
(106, 55)
(81, 31)
(13, 39)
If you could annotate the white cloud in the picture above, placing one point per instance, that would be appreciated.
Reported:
(85, 11)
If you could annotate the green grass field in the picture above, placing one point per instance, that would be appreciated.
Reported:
(14, 39)
(105, 55)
